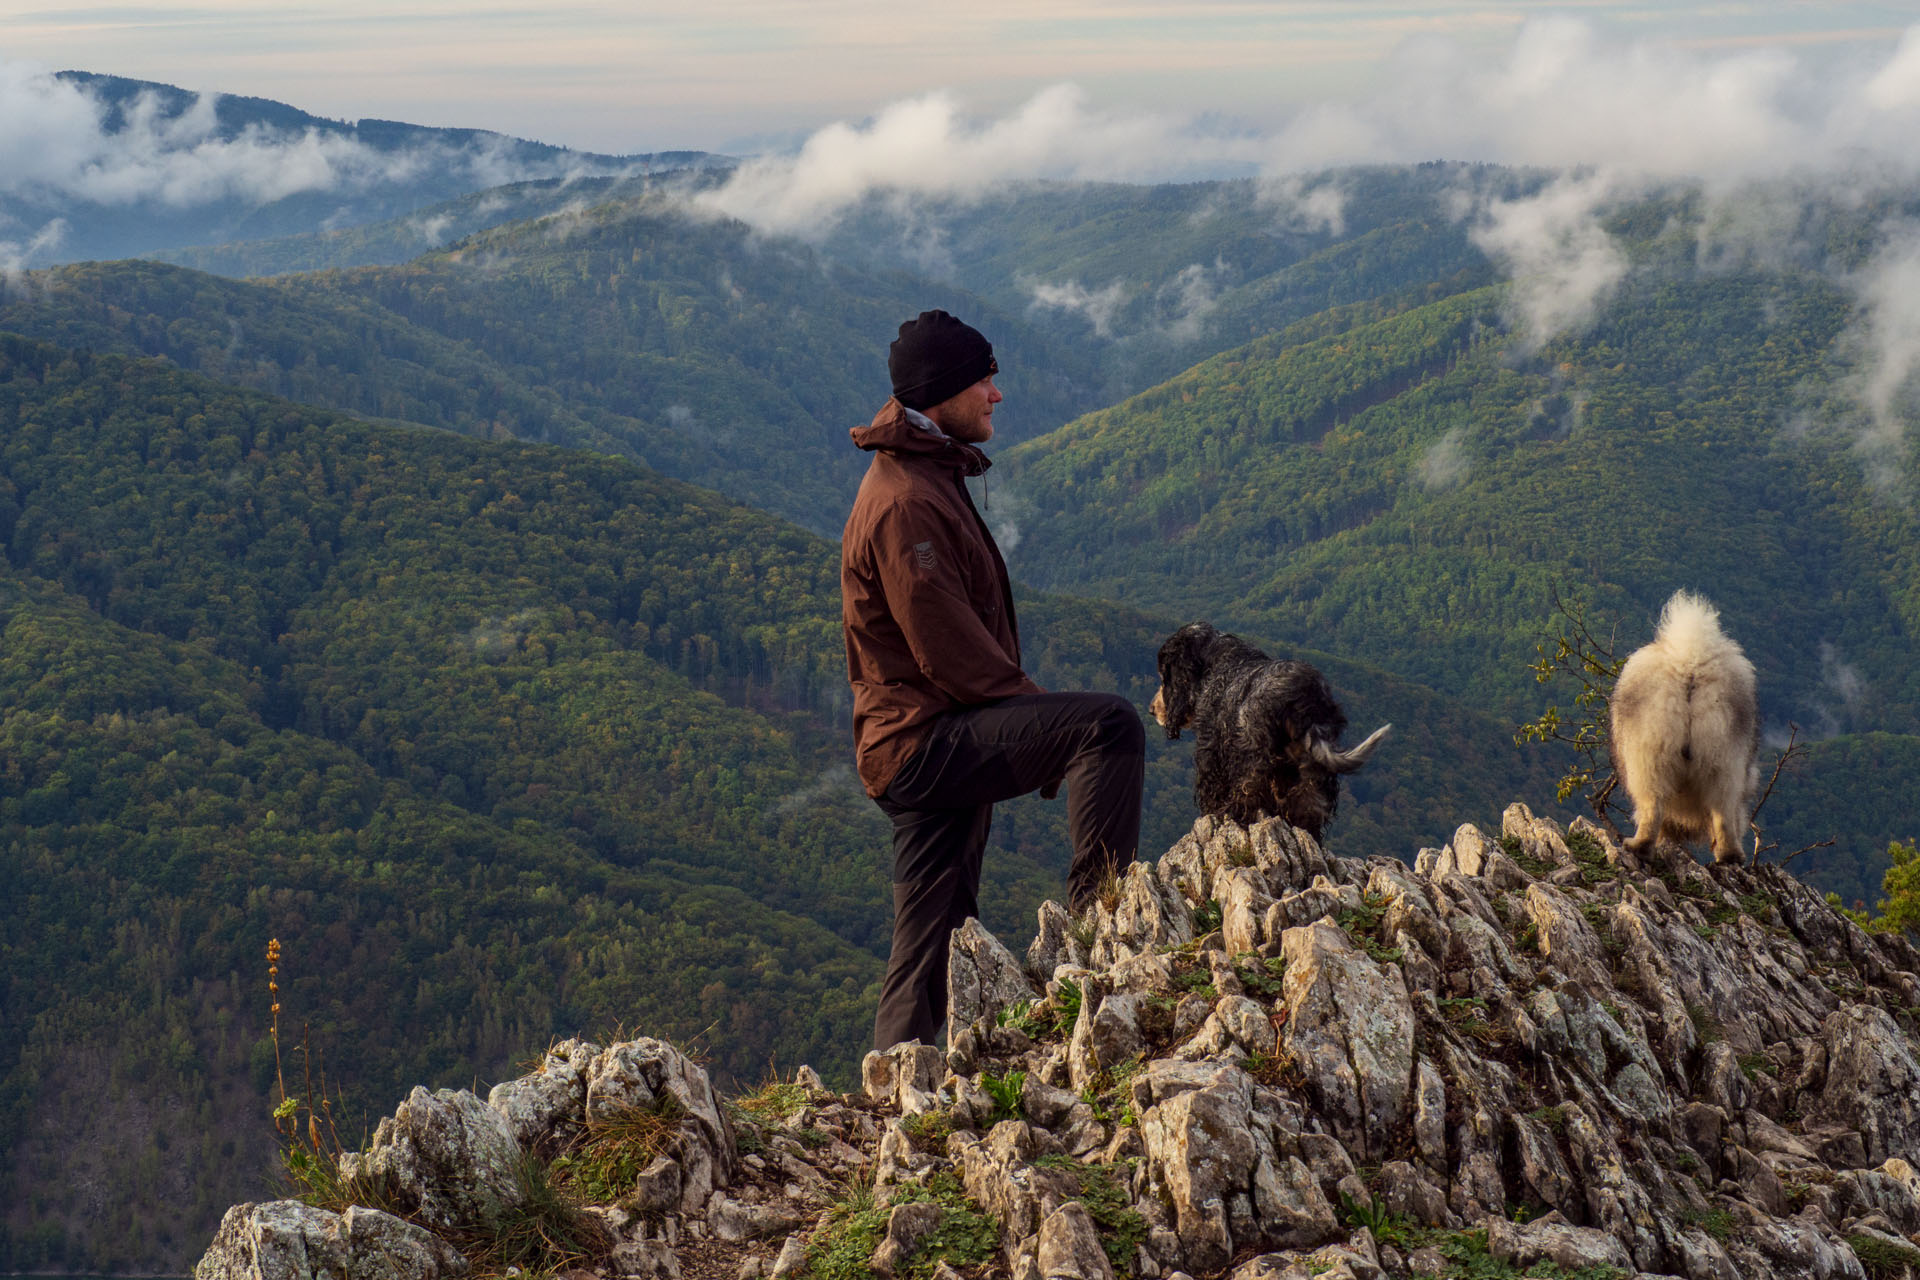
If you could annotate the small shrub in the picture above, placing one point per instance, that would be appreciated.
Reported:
(1069, 999)
(855, 1226)
(1717, 1223)
(774, 1102)
(1261, 977)
(1538, 868)
(1036, 1022)
(1369, 1213)
(1754, 1065)
(928, 1131)
(1102, 1190)
(966, 1236)
(1465, 1015)
(1005, 1092)
(1591, 855)
(1196, 980)
(549, 1232)
(1276, 1070)
(1207, 917)
(1705, 1025)
(616, 1146)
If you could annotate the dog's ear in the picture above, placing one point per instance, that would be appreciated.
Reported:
(1182, 664)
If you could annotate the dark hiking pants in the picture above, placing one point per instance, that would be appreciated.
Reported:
(942, 802)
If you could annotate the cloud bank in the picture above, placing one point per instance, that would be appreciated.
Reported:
(1761, 135)
(63, 148)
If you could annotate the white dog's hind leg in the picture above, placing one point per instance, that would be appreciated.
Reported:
(1726, 844)
(1646, 826)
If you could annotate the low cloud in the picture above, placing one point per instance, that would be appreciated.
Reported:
(929, 146)
(1563, 263)
(1173, 311)
(1100, 307)
(16, 254)
(1304, 205)
(432, 230)
(835, 784)
(1190, 298)
(1885, 341)
(1842, 688)
(1446, 463)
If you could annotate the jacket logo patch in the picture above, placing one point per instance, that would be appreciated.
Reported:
(923, 552)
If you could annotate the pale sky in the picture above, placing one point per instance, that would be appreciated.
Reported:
(645, 76)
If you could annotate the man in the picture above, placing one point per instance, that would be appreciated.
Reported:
(945, 722)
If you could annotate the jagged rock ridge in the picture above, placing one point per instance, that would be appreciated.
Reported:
(1272, 1062)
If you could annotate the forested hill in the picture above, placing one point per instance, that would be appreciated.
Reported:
(501, 741)
(1415, 489)
(689, 345)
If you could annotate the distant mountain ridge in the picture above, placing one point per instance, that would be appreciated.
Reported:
(237, 113)
(125, 202)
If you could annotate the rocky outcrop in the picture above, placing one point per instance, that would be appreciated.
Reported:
(287, 1240)
(1527, 1051)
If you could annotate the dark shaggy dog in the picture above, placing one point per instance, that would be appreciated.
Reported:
(1264, 731)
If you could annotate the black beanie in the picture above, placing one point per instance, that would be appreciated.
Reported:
(935, 358)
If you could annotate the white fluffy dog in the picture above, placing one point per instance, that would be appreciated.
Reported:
(1686, 732)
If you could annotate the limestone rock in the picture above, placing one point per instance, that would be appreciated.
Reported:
(893, 1075)
(982, 978)
(1350, 1025)
(645, 1260)
(1873, 1083)
(1200, 1153)
(552, 1098)
(1566, 1246)
(288, 1240)
(1070, 1246)
(907, 1226)
(452, 1155)
(1052, 944)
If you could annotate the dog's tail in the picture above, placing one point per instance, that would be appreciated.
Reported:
(1348, 761)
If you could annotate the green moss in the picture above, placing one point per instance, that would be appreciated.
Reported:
(1717, 1223)
(1101, 1188)
(1883, 1259)
(1591, 855)
(1555, 1118)
(1261, 977)
(965, 1237)
(928, 1131)
(1538, 868)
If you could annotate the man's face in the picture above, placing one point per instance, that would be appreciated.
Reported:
(968, 416)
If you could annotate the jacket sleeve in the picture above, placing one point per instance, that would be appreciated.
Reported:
(919, 562)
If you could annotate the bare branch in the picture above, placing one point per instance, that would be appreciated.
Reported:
(1830, 840)
(1793, 751)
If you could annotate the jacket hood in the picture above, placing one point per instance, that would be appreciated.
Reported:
(891, 430)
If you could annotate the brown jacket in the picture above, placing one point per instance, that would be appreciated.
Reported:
(924, 596)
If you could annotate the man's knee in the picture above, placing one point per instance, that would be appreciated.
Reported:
(1120, 725)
